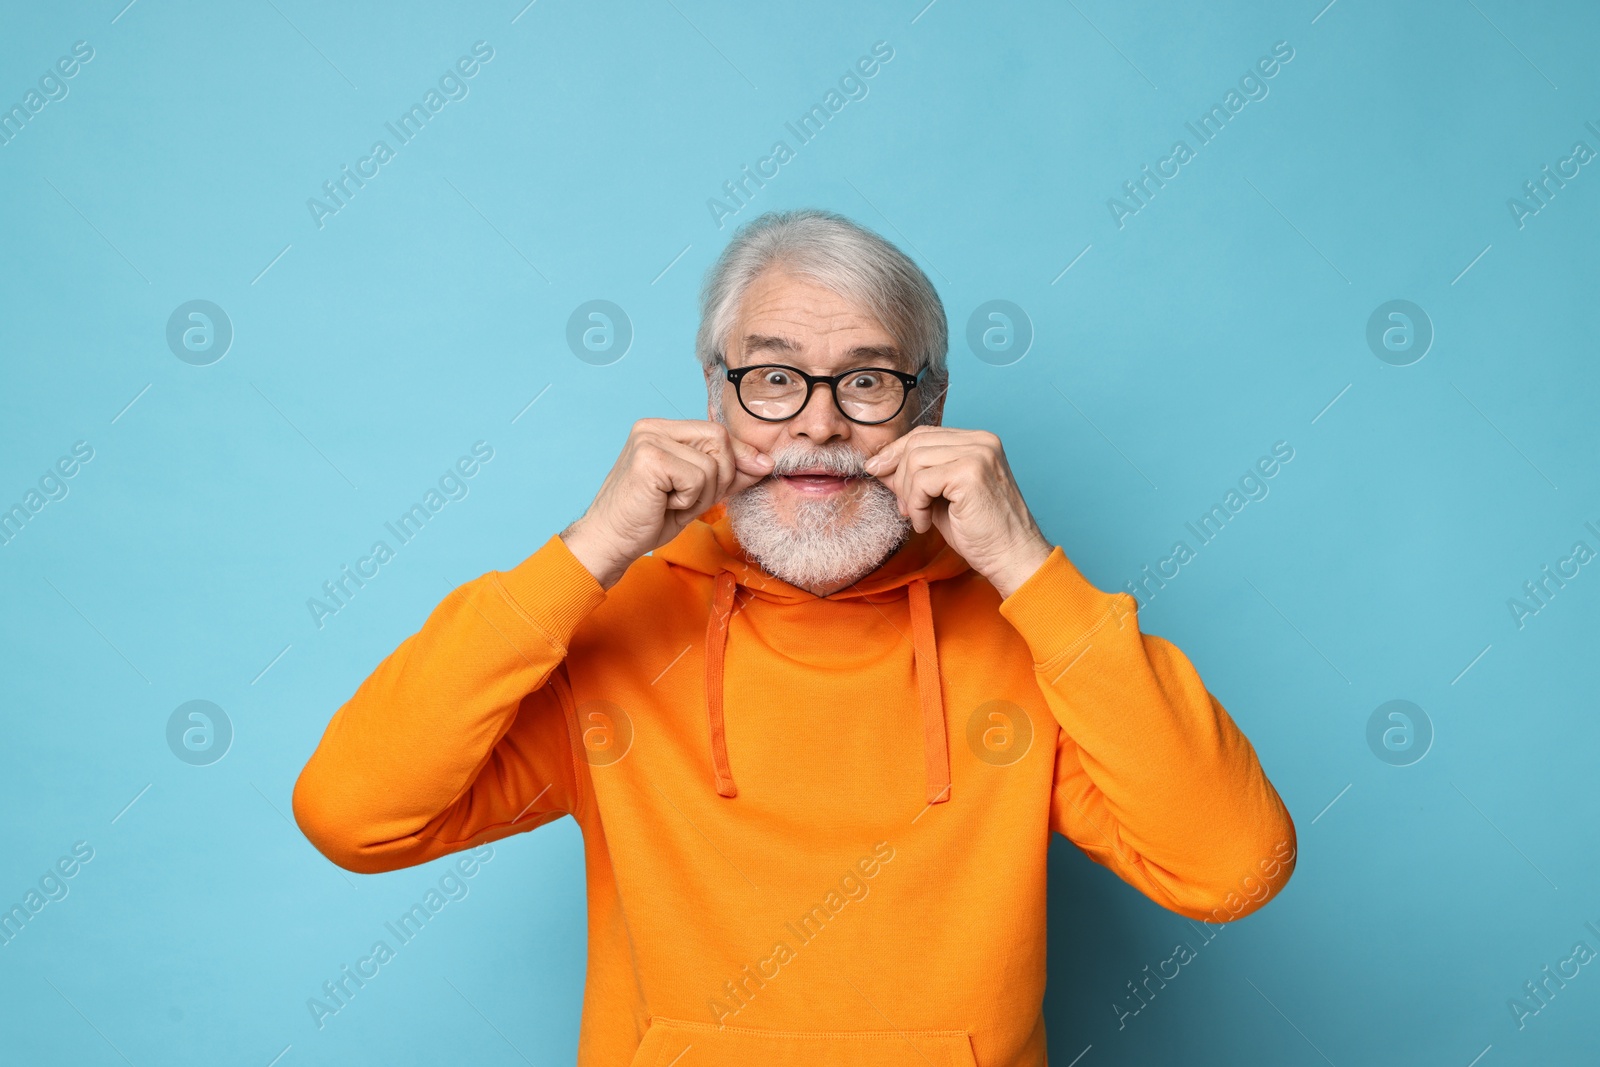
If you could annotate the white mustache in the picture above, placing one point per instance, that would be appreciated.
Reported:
(846, 463)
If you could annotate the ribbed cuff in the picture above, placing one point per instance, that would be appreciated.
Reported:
(1057, 607)
(553, 590)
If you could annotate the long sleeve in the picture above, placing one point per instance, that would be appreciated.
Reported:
(459, 736)
(1153, 779)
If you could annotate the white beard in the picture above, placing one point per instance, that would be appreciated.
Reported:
(818, 549)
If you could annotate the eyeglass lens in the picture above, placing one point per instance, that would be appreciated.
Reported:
(868, 395)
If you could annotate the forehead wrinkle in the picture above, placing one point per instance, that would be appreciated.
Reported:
(803, 303)
(889, 353)
(808, 320)
(776, 342)
(798, 320)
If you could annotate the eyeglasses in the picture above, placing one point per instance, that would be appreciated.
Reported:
(869, 396)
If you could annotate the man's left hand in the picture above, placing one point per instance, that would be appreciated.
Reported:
(959, 481)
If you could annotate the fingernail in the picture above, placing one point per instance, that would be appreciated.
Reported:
(763, 460)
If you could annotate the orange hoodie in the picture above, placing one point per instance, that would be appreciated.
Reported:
(815, 828)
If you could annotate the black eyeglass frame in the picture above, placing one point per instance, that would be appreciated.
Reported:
(908, 382)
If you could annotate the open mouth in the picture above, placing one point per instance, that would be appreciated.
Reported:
(818, 483)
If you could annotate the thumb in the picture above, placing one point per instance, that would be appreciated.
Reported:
(750, 465)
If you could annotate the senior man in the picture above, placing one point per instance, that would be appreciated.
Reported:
(817, 690)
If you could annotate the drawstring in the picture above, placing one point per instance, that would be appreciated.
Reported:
(935, 751)
(716, 643)
(935, 748)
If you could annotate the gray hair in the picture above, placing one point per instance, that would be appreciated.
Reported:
(848, 259)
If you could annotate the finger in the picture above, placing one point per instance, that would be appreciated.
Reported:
(748, 457)
(749, 466)
(741, 482)
(702, 443)
(718, 451)
(710, 475)
(893, 454)
(714, 437)
(932, 454)
(928, 490)
(886, 459)
(744, 464)
(910, 455)
(678, 472)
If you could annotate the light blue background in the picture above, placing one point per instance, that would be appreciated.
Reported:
(425, 315)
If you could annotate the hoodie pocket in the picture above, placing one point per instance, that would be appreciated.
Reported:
(676, 1043)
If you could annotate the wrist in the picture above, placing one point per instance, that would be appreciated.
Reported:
(1018, 566)
(593, 552)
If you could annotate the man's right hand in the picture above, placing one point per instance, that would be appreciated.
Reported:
(670, 472)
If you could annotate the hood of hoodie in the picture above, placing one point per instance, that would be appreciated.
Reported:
(708, 546)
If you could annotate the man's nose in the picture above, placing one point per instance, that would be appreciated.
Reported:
(821, 420)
